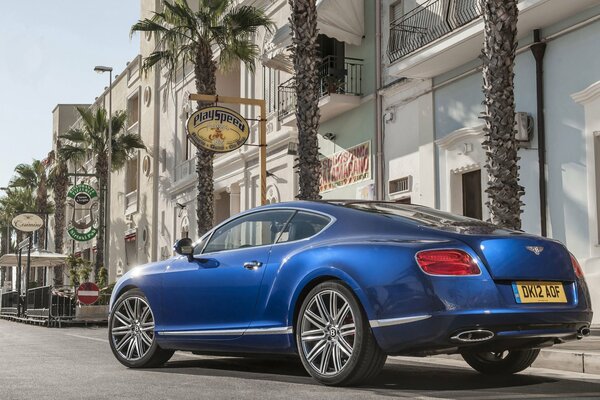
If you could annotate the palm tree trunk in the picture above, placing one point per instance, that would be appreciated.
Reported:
(60, 196)
(41, 203)
(102, 171)
(504, 191)
(305, 57)
(205, 71)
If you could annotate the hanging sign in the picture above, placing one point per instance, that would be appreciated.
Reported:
(83, 198)
(27, 222)
(346, 167)
(217, 129)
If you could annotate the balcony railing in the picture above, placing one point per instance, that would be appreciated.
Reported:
(185, 169)
(336, 76)
(428, 22)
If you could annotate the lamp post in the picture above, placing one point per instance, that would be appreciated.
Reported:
(101, 69)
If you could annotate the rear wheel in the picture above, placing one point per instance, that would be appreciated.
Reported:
(334, 338)
(131, 333)
(502, 362)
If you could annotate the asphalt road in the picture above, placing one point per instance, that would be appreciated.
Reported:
(76, 363)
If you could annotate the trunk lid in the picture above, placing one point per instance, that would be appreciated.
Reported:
(523, 257)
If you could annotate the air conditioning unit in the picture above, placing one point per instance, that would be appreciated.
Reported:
(523, 126)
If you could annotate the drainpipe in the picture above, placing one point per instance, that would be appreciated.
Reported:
(379, 181)
(155, 170)
(538, 48)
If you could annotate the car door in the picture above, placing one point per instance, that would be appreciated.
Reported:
(214, 293)
(298, 232)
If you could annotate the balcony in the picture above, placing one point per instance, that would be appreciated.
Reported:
(340, 86)
(429, 22)
(185, 169)
(441, 35)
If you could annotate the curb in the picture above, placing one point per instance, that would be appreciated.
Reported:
(569, 360)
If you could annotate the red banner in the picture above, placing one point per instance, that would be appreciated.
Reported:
(346, 167)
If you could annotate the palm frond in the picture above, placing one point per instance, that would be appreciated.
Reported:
(74, 135)
(73, 153)
(245, 20)
(238, 50)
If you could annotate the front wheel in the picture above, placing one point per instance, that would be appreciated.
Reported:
(334, 337)
(131, 333)
(502, 362)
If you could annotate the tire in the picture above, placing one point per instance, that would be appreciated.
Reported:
(131, 333)
(501, 363)
(338, 349)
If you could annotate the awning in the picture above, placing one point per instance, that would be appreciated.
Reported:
(39, 258)
(340, 19)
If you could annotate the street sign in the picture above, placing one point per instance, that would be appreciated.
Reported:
(217, 129)
(27, 222)
(87, 293)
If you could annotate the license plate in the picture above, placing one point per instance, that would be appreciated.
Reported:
(539, 292)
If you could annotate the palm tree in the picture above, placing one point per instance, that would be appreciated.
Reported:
(500, 43)
(35, 178)
(184, 35)
(91, 140)
(59, 179)
(17, 200)
(306, 57)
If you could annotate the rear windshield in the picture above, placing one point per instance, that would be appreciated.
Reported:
(420, 214)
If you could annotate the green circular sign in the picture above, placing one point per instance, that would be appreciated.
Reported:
(83, 229)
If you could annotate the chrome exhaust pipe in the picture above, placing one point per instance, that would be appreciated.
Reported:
(583, 332)
(473, 336)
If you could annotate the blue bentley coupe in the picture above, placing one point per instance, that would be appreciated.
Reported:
(344, 284)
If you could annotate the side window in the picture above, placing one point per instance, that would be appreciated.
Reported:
(302, 226)
(256, 229)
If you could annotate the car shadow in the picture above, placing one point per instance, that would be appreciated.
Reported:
(395, 376)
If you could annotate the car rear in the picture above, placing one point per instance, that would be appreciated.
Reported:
(493, 289)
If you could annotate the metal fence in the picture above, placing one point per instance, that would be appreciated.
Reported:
(10, 303)
(38, 302)
(428, 22)
(336, 76)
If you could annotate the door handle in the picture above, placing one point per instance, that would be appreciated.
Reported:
(252, 265)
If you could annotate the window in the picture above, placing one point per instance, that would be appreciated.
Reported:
(133, 110)
(396, 11)
(471, 191)
(131, 176)
(256, 229)
(270, 86)
(302, 226)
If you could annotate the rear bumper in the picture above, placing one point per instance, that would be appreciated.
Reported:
(512, 329)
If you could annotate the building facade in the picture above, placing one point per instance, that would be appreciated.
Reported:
(433, 102)
(428, 128)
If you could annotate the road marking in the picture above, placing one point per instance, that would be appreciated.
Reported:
(87, 337)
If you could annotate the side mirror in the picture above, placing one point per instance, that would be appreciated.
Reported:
(184, 247)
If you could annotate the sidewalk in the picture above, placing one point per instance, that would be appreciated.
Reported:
(579, 356)
(576, 356)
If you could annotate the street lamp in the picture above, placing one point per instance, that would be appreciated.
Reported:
(101, 69)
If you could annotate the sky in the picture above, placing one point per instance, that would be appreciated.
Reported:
(48, 50)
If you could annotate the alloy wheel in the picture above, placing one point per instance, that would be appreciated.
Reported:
(328, 332)
(132, 329)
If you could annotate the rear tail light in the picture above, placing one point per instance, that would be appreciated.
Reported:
(576, 267)
(447, 262)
